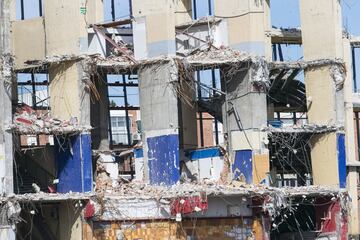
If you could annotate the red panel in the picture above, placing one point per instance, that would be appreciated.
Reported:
(327, 212)
(89, 209)
(189, 205)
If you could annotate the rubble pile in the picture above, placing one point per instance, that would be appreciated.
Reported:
(219, 56)
(305, 128)
(136, 189)
(28, 121)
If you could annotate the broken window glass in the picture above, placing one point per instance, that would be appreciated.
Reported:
(124, 106)
(33, 90)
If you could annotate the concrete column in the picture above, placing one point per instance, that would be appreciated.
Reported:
(160, 123)
(154, 28)
(71, 99)
(244, 114)
(6, 141)
(247, 21)
(325, 100)
(100, 117)
(6, 80)
(353, 175)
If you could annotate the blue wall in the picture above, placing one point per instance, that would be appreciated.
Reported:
(243, 165)
(74, 163)
(139, 153)
(204, 153)
(341, 159)
(163, 159)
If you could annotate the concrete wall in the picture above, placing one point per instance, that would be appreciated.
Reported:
(188, 129)
(253, 20)
(29, 42)
(6, 91)
(320, 92)
(323, 151)
(321, 18)
(100, 117)
(62, 30)
(64, 101)
(159, 117)
(321, 27)
(245, 115)
(70, 225)
(157, 15)
(69, 35)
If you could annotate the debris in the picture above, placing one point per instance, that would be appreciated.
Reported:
(28, 121)
(36, 187)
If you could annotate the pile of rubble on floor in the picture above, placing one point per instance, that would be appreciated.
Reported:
(28, 121)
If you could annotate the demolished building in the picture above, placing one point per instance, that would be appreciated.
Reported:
(169, 125)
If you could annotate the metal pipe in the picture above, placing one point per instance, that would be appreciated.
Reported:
(357, 133)
(130, 9)
(200, 113)
(40, 8)
(22, 9)
(214, 92)
(194, 9)
(113, 10)
(109, 115)
(209, 5)
(354, 68)
(274, 52)
(126, 112)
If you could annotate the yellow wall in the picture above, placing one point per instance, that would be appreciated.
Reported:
(320, 92)
(64, 90)
(321, 27)
(324, 160)
(29, 40)
(160, 18)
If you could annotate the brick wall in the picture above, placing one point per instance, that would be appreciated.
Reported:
(230, 228)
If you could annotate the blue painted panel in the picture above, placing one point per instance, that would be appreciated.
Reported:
(74, 164)
(87, 162)
(163, 159)
(204, 153)
(139, 153)
(341, 159)
(242, 167)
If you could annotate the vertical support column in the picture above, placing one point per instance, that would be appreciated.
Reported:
(325, 98)
(70, 99)
(244, 114)
(100, 116)
(160, 123)
(353, 175)
(247, 21)
(6, 91)
(150, 17)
